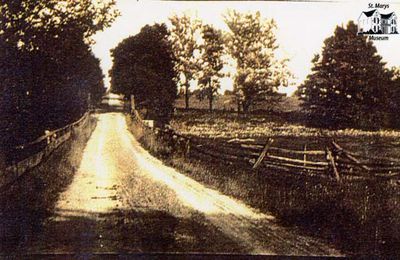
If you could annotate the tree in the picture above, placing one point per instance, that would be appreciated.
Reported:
(349, 85)
(32, 24)
(143, 66)
(211, 63)
(184, 44)
(251, 42)
(46, 63)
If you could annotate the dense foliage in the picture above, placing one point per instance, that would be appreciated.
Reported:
(211, 64)
(143, 66)
(349, 85)
(183, 33)
(252, 44)
(46, 65)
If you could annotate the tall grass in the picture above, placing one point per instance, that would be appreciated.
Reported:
(150, 140)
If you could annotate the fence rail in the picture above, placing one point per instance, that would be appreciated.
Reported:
(24, 157)
(331, 161)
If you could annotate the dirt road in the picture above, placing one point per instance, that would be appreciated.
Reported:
(124, 200)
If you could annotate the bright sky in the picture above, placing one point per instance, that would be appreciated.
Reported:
(302, 27)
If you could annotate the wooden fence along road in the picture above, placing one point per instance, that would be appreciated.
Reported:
(25, 157)
(331, 162)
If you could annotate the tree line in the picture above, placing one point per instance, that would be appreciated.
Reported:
(349, 85)
(250, 43)
(198, 52)
(47, 69)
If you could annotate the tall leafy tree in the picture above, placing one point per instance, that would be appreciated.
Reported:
(33, 24)
(252, 43)
(349, 84)
(47, 66)
(143, 66)
(211, 64)
(183, 35)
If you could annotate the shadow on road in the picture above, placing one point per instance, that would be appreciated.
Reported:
(120, 231)
(128, 232)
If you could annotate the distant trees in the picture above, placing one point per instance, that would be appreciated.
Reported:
(349, 85)
(143, 66)
(183, 36)
(46, 64)
(211, 63)
(252, 43)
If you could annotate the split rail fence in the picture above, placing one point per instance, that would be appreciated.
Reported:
(24, 157)
(332, 161)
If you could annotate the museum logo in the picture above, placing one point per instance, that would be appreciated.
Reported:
(375, 22)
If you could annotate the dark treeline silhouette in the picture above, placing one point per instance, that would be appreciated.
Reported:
(40, 92)
(143, 66)
(47, 69)
(350, 86)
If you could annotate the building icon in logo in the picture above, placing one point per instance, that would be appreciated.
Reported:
(373, 22)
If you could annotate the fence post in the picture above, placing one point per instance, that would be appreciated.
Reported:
(305, 155)
(263, 153)
(187, 148)
(331, 160)
(350, 157)
(16, 170)
(132, 103)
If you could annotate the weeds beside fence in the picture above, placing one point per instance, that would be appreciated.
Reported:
(21, 158)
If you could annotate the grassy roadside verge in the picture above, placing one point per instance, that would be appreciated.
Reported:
(359, 217)
(32, 198)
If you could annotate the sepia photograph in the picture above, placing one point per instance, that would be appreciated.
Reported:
(199, 129)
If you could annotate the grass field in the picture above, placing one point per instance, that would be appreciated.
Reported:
(287, 132)
(227, 103)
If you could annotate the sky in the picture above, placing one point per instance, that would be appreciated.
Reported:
(302, 27)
